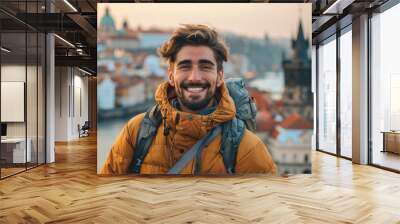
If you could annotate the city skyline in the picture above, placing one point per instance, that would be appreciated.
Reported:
(277, 22)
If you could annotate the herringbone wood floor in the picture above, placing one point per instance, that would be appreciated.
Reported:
(69, 191)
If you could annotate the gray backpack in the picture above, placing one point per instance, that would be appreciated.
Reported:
(232, 131)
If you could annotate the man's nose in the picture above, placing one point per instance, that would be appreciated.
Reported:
(195, 74)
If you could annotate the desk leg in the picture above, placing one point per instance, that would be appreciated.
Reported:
(384, 142)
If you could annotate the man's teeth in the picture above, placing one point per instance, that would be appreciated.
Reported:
(196, 89)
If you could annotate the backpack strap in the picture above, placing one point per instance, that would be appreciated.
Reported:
(232, 134)
(147, 131)
(245, 105)
(195, 150)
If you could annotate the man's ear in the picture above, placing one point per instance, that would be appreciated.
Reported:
(220, 77)
(171, 75)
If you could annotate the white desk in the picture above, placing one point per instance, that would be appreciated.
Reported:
(18, 144)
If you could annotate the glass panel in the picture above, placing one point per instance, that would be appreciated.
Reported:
(22, 79)
(31, 97)
(385, 89)
(346, 94)
(327, 97)
(313, 84)
(13, 87)
(41, 99)
(31, 86)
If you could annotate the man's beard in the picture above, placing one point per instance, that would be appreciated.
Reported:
(191, 104)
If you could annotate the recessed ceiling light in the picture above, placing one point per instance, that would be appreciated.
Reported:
(86, 72)
(64, 40)
(5, 49)
(337, 7)
(70, 5)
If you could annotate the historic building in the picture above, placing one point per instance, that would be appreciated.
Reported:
(297, 95)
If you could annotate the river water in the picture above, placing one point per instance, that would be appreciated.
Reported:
(107, 132)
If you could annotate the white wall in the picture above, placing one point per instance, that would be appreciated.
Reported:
(80, 100)
(71, 93)
(13, 73)
(61, 103)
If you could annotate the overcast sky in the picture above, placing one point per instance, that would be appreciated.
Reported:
(251, 19)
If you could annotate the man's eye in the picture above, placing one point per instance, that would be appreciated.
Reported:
(184, 67)
(206, 67)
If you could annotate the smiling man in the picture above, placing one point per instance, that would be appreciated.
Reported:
(194, 128)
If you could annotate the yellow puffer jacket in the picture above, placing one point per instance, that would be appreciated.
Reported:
(185, 131)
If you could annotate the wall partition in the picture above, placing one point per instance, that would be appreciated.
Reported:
(334, 93)
(14, 153)
(22, 88)
(385, 89)
(345, 94)
(327, 95)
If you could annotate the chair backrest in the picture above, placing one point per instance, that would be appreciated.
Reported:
(86, 125)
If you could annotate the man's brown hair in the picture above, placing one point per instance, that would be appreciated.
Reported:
(194, 35)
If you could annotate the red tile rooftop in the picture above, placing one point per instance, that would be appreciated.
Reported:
(296, 121)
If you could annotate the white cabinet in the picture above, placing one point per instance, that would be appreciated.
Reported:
(18, 149)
